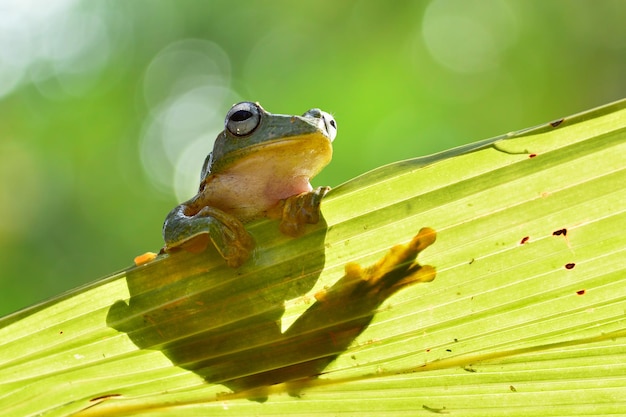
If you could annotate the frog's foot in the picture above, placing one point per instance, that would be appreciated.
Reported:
(301, 209)
(395, 271)
(193, 233)
(229, 236)
(342, 312)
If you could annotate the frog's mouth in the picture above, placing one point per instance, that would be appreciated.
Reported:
(293, 156)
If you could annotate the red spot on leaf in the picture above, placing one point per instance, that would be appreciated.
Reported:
(532, 155)
(581, 292)
(524, 240)
(570, 266)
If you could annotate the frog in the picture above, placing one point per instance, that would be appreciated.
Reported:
(238, 335)
(260, 166)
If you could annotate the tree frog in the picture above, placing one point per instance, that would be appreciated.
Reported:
(260, 166)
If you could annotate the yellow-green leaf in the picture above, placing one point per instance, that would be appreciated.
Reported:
(525, 317)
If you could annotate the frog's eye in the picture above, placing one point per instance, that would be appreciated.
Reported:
(243, 118)
(329, 123)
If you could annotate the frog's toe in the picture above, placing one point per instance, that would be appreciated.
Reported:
(399, 268)
(311, 204)
(233, 242)
(236, 258)
(237, 250)
(396, 270)
(300, 210)
(228, 234)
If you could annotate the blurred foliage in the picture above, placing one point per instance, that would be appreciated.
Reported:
(107, 109)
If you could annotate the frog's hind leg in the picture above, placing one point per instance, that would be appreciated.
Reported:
(341, 313)
(396, 270)
(192, 233)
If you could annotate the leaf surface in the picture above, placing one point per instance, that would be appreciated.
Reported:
(525, 317)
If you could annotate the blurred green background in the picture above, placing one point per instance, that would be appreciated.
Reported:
(108, 108)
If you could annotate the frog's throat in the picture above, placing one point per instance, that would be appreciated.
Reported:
(312, 152)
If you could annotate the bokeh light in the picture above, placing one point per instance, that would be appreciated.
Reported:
(40, 41)
(471, 35)
(186, 87)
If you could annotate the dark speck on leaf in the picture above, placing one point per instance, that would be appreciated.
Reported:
(560, 232)
(524, 240)
(532, 155)
(570, 266)
(581, 292)
(556, 122)
(104, 397)
(435, 410)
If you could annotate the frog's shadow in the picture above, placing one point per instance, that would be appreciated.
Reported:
(221, 323)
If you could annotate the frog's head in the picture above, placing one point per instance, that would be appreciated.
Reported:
(254, 137)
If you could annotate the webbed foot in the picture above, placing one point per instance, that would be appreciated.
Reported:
(193, 234)
(394, 271)
(342, 312)
(301, 209)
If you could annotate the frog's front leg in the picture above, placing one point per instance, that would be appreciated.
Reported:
(227, 233)
(301, 209)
